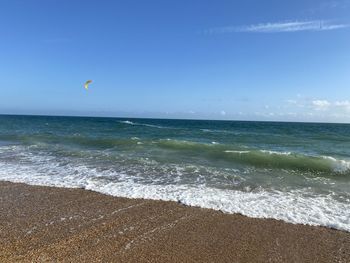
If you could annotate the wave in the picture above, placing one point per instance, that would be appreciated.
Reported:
(143, 124)
(262, 158)
(240, 152)
(292, 161)
(127, 122)
(150, 179)
(212, 151)
(47, 140)
(221, 131)
(275, 152)
(296, 206)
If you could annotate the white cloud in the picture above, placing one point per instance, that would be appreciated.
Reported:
(312, 109)
(298, 102)
(321, 104)
(275, 27)
(343, 104)
(223, 113)
(292, 101)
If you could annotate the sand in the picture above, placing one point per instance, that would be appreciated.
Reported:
(45, 224)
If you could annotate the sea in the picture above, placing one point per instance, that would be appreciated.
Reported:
(295, 172)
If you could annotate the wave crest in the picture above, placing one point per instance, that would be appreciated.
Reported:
(142, 124)
(262, 158)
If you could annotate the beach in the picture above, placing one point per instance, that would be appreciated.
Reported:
(76, 189)
(175, 131)
(51, 224)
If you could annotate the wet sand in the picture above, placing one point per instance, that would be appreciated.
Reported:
(45, 224)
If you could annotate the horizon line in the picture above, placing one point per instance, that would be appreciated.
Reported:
(181, 119)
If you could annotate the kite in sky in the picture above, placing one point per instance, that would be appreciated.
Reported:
(86, 85)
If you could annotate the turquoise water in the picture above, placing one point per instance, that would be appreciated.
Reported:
(297, 172)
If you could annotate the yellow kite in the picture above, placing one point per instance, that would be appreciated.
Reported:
(86, 85)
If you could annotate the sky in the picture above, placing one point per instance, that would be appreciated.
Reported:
(197, 59)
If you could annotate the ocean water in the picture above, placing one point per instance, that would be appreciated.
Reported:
(296, 172)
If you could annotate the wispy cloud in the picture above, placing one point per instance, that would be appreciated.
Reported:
(327, 5)
(343, 104)
(321, 104)
(288, 26)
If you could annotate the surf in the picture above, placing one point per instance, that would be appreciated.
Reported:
(262, 158)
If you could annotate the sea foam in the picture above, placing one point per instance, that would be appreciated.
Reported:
(143, 124)
(297, 206)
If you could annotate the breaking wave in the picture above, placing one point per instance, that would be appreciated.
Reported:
(262, 158)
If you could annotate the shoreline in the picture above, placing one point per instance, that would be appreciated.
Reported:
(41, 223)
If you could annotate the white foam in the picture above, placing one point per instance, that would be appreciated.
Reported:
(220, 131)
(142, 124)
(127, 122)
(340, 166)
(240, 152)
(154, 126)
(293, 206)
(275, 152)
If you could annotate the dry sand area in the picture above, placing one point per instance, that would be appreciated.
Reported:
(46, 224)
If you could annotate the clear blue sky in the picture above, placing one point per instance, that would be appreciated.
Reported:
(250, 60)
